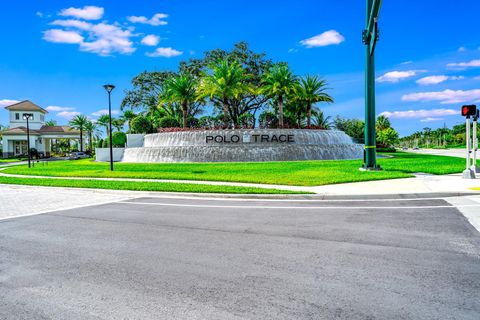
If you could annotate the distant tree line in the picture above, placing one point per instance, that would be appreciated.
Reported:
(437, 138)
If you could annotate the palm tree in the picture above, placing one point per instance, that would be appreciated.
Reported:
(78, 122)
(127, 117)
(278, 83)
(51, 123)
(104, 121)
(382, 123)
(118, 123)
(92, 130)
(321, 120)
(181, 89)
(311, 90)
(227, 81)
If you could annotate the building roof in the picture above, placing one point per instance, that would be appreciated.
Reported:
(25, 105)
(20, 131)
(58, 129)
(63, 130)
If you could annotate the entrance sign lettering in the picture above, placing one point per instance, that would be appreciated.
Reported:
(253, 138)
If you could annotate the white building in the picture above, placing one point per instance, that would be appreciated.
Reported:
(41, 136)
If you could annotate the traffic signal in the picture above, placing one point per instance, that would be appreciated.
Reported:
(469, 110)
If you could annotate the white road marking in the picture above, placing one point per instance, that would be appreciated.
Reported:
(288, 208)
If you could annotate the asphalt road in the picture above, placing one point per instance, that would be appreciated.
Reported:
(154, 258)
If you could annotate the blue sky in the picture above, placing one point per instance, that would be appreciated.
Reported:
(59, 53)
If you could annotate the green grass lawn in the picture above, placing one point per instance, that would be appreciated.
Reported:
(9, 160)
(301, 173)
(142, 186)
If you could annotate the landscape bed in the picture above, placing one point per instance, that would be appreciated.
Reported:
(300, 173)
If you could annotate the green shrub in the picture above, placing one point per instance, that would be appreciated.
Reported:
(168, 122)
(140, 124)
(268, 119)
(246, 121)
(119, 139)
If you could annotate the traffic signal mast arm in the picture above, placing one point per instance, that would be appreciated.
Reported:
(371, 33)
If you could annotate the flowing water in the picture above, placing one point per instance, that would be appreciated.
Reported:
(245, 145)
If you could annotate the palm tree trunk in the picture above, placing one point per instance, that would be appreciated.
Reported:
(225, 111)
(90, 141)
(81, 139)
(309, 115)
(280, 111)
(184, 113)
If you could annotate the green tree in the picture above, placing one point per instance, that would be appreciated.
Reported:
(78, 122)
(51, 122)
(387, 137)
(147, 87)
(320, 120)
(278, 83)
(140, 124)
(181, 89)
(355, 128)
(127, 117)
(311, 90)
(104, 121)
(118, 123)
(92, 130)
(224, 82)
(254, 65)
(382, 123)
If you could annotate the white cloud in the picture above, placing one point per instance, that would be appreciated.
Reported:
(430, 119)
(156, 20)
(78, 24)
(39, 14)
(104, 111)
(425, 81)
(406, 62)
(62, 36)
(464, 65)
(150, 40)
(327, 38)
(476, 78)
(57, 108)
(108, 38)
(68, 115)
(87, 12)
(462, 49)
(445, 97)
(164, 52)
(7, 102)
(396, 76)
(102, 38)
(422, 113)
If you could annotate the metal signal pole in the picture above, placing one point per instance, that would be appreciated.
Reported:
(370, 37)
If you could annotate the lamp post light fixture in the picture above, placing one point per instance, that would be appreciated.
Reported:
(28, 116)
(109, 88)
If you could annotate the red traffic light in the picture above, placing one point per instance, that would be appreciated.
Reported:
(470, 110)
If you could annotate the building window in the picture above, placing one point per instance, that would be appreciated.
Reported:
(17, 116)
(42, 117)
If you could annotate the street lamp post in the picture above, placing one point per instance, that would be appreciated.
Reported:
(109, 88)
(28, 116)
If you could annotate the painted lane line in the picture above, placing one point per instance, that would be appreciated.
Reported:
(288, 208)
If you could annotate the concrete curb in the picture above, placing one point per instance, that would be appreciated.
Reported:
(253, 197)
